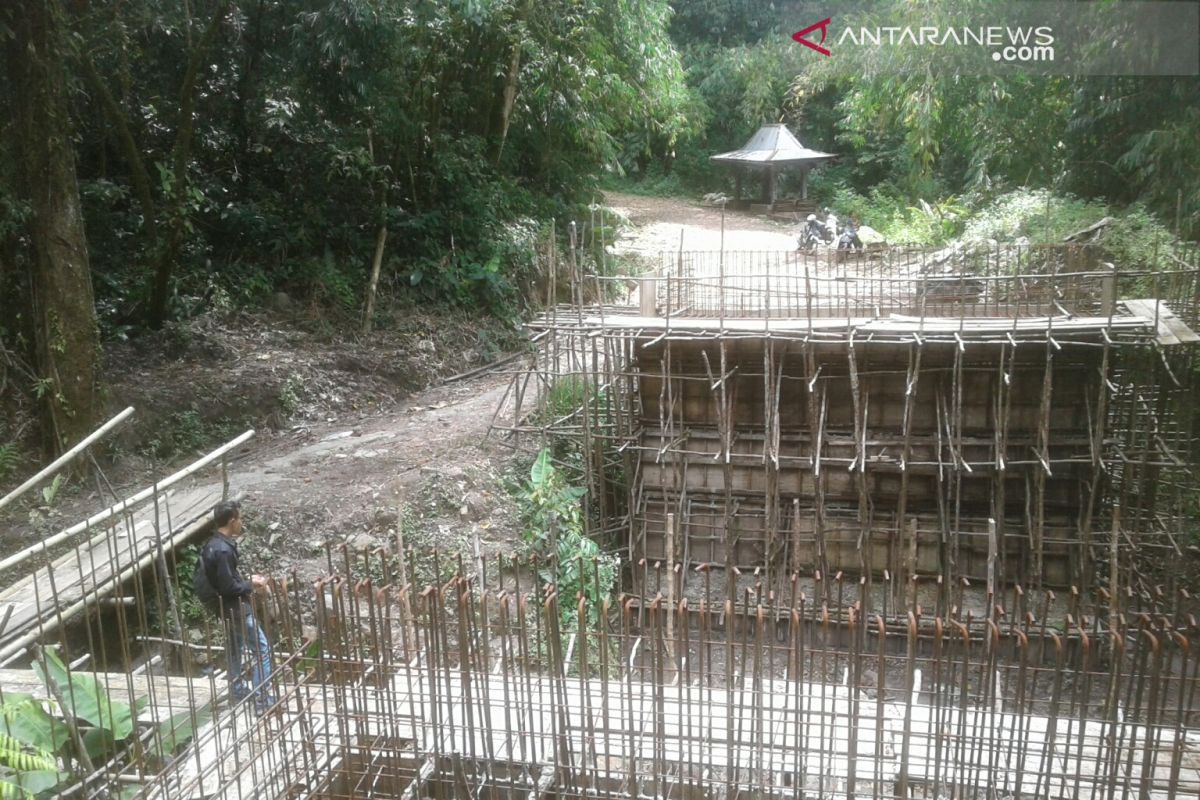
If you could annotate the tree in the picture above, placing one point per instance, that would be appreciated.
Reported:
(59, 287)
(163, 249)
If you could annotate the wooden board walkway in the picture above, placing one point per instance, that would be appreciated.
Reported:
(1171, 329)
(54, 594)
(782, 734)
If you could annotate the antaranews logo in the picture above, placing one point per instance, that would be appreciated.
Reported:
(1007, 43)
(823, 25)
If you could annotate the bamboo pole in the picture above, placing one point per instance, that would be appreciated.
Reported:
(671, 593)
(67, 457)
(125, 505)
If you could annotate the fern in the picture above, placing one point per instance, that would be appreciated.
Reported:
(28, 765)
(8, 459)
(25, 769)
(24, 758)
(11, 791)
(49, 493)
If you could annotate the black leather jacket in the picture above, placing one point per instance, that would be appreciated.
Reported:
(217, 581)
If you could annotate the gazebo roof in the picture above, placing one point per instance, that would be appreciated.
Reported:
(773, 145)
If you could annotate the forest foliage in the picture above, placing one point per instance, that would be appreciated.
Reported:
(226, 150)
(256, 145)
(905, 132)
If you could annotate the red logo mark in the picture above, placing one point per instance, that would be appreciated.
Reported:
(799, 36)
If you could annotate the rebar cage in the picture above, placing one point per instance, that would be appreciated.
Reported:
(1011, 416)
(899, 524)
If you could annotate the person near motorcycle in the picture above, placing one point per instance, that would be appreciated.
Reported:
(815, 227)
(849, 238)
(831, 224)
(814, 234)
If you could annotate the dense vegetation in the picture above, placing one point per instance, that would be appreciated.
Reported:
(907, 134)
(161, 158)
(227, 149)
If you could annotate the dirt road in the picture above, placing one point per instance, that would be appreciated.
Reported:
(660, 221)
(354, 472)
(428, 464)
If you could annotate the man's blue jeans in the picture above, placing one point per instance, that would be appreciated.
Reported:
(244, 631)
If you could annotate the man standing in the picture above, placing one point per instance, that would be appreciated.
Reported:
(221, 587)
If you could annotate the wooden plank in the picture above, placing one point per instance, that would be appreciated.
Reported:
(1145, 310)
(778, 727)
(1171, 329)
(168, 695)
(983, 326)
(107, 560)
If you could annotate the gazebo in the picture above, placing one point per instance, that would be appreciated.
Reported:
(770, 149)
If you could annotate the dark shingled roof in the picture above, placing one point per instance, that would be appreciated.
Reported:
(773, 144)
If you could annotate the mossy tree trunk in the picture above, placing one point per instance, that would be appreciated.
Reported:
(66, 340)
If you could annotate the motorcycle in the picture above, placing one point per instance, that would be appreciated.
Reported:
(810, 240)
(849, 239)
(813, 236)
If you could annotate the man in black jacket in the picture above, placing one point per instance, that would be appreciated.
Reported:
(221, 587)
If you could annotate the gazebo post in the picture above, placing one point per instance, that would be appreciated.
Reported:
(804, 183)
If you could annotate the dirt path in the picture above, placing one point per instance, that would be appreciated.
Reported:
(659, 221)
(350, 471)
(336, 481)
(430, 460)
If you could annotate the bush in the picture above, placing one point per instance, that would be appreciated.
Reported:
(654, 183)
(885, 210)
(1041, 216)
(1036, 215)
(552, 516)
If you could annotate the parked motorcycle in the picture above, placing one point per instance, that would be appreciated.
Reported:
(849, 240)
(814, 235)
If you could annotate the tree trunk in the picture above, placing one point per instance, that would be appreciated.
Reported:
(139, 176)
(66, 339)
(510, 82)
(368, 320)
(160, 290)
(245, 87)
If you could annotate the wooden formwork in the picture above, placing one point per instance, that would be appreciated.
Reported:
(1002, 417)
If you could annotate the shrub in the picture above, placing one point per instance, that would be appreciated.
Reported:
(1041, 216)
(552, 518)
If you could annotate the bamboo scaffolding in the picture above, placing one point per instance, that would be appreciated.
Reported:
(783, 392)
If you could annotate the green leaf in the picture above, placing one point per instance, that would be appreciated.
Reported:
(84, 698)
(10, 791)
(27, 784)
(99, 744)
(49, 493)
(25, 719)
(16, 756)
(176, 731)
(542, 470)
(129, 792)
